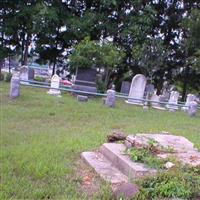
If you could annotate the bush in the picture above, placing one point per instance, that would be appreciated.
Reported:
(1, 77)
(176, 183)
(101, 87)
(40, 79)
(8, 77)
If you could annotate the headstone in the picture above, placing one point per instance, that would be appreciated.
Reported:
(173, 101)
(125, 87)
(149, 90)
(190, 98)
(85, 80)
(55, 83)
(193, 108)
(82, 98)
(15, 85)
(31, 73)
(155, 102)
(137, 90)
(24, 74)
(110, 99)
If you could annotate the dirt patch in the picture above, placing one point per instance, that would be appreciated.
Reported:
(90, 182)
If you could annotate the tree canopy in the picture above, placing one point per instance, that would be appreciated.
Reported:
(158, 38)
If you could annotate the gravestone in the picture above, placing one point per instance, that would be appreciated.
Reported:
(125, 87)
(193, 108)
(155, 104)
(24, 74)
(190, 98)
(55, 83)
(110, 99)
(85, 80)
(31, 73)
(137, 90)
(82, 98)
(15, 85)
(173, 101)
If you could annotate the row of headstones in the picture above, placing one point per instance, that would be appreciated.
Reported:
(141, 93)
(135, 95)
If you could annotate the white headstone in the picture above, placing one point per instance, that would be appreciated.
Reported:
(55, 83)
(137, 89)
(173, 101)
(190, 98)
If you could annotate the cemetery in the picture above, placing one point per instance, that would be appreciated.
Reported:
(100, 100)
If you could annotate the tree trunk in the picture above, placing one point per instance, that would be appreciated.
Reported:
(185, 83)
(54, 66)
(107, 76)
(9, 64)
(25, 55)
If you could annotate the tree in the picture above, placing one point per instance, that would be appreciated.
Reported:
(104, 56)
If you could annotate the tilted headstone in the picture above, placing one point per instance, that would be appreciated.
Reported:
(15, 85)
(173, 101)
(55, 83)
(110, 99)
(137, 90)
(125, 87)
(193, 108)
(190, 98)
(85, 80)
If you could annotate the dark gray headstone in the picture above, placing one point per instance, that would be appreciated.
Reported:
(15, 86)
(31, 74)
(86, 77)
(125, 87)
(110, 99)
(85, 81)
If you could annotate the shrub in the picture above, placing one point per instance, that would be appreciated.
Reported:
(101, 87)
(1, 77)
(8, 77)
(176, 183)
(40, 79)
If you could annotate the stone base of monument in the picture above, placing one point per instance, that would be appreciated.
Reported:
(54, 92)
(135, 102)
(84, 89)
(159, 107)
(113, 164)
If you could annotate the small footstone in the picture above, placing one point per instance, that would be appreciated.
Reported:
(126, 190)
(104, 100)
(82, 98)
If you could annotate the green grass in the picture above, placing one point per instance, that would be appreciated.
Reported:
(42, 137)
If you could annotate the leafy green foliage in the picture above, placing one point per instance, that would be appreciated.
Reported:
(8, 77)
(180, 182)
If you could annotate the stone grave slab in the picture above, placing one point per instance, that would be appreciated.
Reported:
(183, 149)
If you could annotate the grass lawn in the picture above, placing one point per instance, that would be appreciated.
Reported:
(42, 137)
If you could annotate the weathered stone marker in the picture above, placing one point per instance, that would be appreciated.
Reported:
(110, 99)
(192, 108)
(15, 86)
(82, 98)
